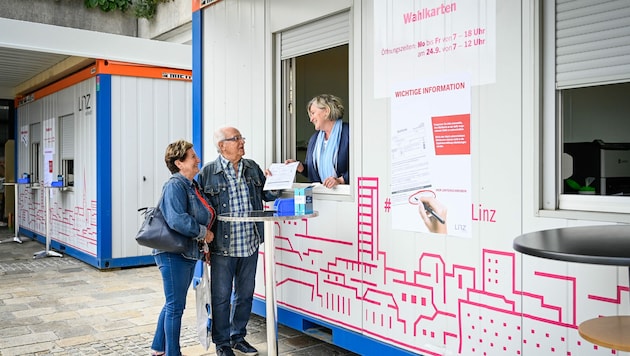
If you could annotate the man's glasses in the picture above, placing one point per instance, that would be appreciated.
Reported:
(234, 139)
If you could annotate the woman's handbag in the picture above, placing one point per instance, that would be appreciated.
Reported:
(156, 233)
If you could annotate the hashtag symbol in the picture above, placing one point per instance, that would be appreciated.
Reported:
(388, 205)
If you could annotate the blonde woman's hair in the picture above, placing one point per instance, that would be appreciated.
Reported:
(329, 101)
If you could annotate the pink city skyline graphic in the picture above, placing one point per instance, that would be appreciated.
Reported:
(434, 308)
(73, 227)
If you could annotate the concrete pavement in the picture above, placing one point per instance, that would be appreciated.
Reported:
(63, 306)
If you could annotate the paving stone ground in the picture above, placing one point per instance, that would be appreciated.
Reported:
(63, 306)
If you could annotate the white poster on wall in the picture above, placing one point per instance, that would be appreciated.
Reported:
(430, 155)
(414, 39)
(50, 137)
(24, 135)
(48, 167)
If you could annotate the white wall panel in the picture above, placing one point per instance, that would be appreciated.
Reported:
(286, 13)
(82, 199)
(72, 210)
(234, 88)
(147, 115)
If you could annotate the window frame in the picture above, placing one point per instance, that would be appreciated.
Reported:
(35, 162)
(66, 148)
(35, 159)
(286, 125)
(553, 202)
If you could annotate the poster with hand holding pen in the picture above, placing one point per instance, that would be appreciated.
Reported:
(430, 156)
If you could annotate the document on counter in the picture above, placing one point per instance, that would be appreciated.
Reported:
(282, 176)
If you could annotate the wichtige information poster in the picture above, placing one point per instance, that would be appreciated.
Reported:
(430, 155)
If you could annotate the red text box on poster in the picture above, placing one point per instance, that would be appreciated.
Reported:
(451, 134)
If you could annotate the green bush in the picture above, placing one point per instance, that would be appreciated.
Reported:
(141, 8)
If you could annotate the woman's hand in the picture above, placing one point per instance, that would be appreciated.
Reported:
(300, 167)
(209, 236)
(331, 182)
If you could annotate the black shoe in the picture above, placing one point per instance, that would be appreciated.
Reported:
(225, 351)
(244, 348)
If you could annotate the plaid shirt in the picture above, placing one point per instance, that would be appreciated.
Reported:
(243, 242)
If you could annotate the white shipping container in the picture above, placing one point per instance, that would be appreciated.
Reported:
(102, 132)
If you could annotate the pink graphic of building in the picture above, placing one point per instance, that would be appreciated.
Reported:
(429, 309)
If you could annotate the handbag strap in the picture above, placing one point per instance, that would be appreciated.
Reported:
(205, 203)
(210, 209)
(213, 214)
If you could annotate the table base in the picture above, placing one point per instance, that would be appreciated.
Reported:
(16, 223)
(47, 253)
(13, 239)
(270, 287)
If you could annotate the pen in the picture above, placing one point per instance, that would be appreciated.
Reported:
(428, 208)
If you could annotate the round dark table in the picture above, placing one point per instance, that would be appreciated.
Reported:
(604, 245)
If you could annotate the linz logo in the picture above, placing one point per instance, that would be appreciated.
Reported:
(176, 76)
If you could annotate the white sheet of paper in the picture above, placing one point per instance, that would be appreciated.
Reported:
(282, 176)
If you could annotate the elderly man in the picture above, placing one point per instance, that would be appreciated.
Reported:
(233, 184)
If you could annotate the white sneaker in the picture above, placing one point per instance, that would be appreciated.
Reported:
(2, 223)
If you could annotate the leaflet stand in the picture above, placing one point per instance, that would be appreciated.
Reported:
(47, 252)
(16, 224)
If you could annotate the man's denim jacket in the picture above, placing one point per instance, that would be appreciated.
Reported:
(184, 212)
(214, 183)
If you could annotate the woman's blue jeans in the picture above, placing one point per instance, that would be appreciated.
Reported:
(229, 322)
(177, 273)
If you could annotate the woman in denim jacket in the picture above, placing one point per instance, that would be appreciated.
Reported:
(186, 211)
